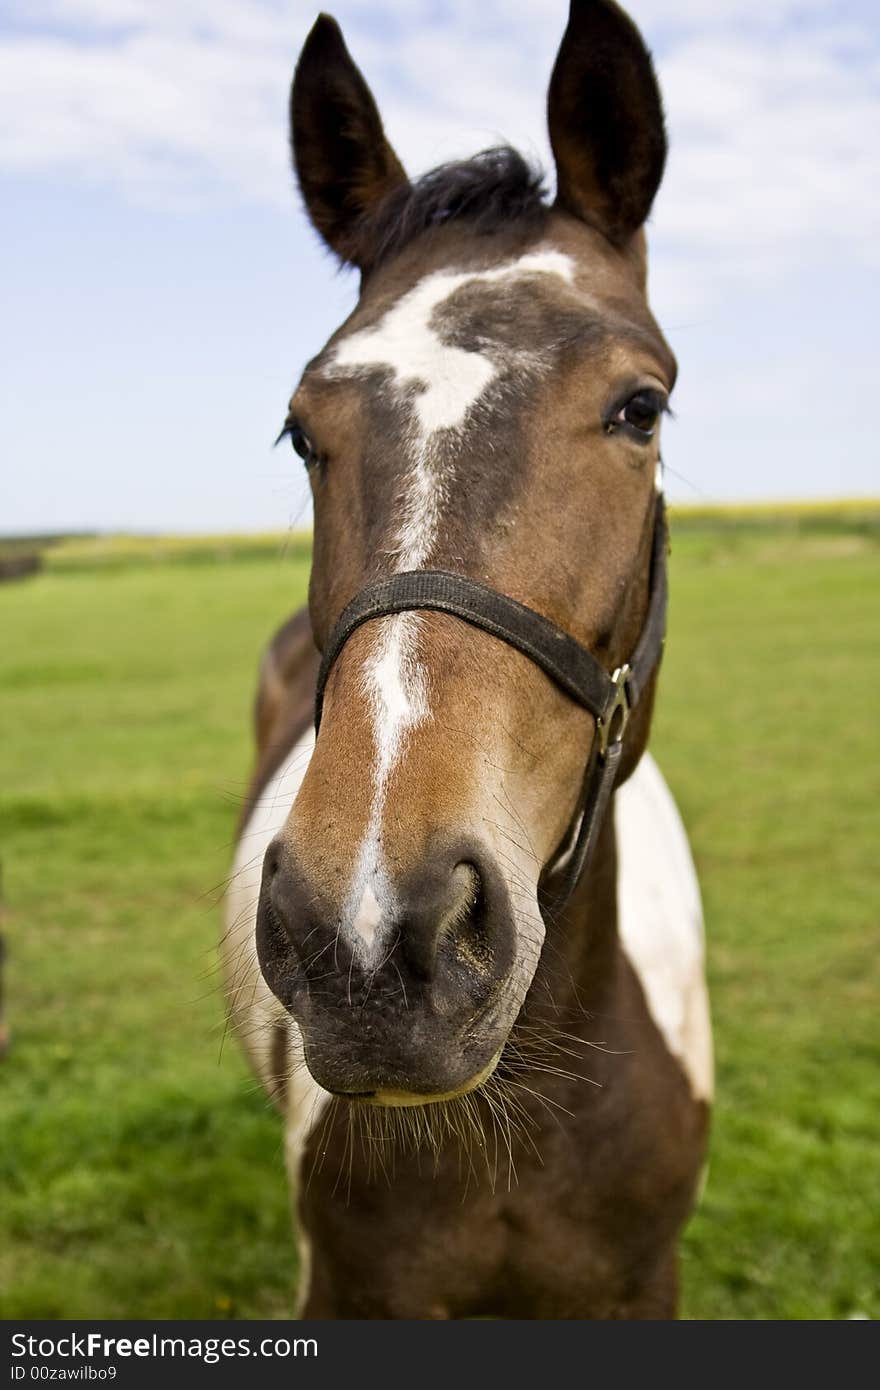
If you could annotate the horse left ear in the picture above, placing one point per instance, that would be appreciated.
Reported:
(606, 121)
(344, 163)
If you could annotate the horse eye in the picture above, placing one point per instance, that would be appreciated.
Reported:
(302, 445)
(639, 415)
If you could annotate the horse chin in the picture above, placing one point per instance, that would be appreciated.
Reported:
(397, 1098)
(409, 1079)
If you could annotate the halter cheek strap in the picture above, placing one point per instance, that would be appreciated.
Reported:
(608, 698)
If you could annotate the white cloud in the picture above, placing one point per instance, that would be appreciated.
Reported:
(772, 108)
(763, 243)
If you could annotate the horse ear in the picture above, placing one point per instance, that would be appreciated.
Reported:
(343, 162)
(606, 121)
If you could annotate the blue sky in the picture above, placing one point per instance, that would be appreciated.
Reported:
(161, 289)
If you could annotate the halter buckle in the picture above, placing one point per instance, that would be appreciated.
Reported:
(611, 728)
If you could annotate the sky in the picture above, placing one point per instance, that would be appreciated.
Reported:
(161, 288)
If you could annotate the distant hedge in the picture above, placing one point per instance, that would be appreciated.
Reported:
(24, 555)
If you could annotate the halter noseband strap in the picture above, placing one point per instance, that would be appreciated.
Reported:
(609, 698)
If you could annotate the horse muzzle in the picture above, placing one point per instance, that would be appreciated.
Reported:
(405, 996)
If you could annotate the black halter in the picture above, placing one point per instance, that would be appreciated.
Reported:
(609, 698)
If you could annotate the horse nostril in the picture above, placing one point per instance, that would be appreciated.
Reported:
(467, 881)
(272, 861)
(435, 907)
(477, 947)
(455, 926)
(466, 928)
(281, 893)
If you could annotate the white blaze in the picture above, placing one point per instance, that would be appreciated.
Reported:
(449, 379)
(444, 382)
(368, 916)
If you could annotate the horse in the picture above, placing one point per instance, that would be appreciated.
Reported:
(463, 942)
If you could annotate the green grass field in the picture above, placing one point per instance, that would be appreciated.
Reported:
(140, 1172)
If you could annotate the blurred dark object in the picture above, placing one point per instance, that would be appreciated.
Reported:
(25, 555)
(18, 566)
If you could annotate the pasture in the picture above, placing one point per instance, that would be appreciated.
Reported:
(141, 1174)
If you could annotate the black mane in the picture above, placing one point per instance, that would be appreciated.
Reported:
(491, 191)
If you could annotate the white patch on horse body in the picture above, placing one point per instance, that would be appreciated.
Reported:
(445, 382)
(255, 1013)
(660, 919)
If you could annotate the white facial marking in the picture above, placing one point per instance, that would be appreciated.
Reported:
(449, 378)
(368, 916)
(660, 919)
(394, 686)
(444, 382)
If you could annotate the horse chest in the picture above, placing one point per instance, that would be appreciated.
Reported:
(572, 1217)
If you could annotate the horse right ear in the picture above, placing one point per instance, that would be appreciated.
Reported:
(343, 162)
(606, 121)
